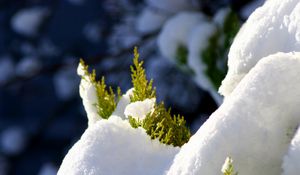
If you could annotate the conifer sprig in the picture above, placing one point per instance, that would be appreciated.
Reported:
(158, 124)
(228, 168)
(162, 126)
(106, 98)
(167, 129)
(142, 88)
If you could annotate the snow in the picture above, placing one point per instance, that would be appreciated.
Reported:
(272, 28)
(28, 66)
(48, 169)
(13, 140)
(6, 69)
(252, 124)
(150, 21)
(124, 101)
(171, 6)
(27, 21)
(140, 109)
(88, 93)
(175, 32)
(197, 42)
(112, 147)
(291, 161)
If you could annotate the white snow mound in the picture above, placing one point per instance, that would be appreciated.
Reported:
(88, 94)
(112, 147)
(175, 32)
(123, 102)
(291, 161)
(140, 109)
(272, 28)
(252, 124)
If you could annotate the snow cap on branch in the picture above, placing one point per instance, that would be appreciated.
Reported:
(272, 28)
(252, 124)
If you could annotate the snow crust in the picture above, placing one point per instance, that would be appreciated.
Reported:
(27, 21)
(291, 161)
(140, 109)
(88, 93)
(252, 124)
(124, 101)
(111, 147)
(272, 28)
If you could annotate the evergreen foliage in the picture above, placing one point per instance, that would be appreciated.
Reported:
(162, 126)
(158, 124)
(181, 55)
(142, 88)
(106, 98)
(215, 55)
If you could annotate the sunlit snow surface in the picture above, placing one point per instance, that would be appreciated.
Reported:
(252, 125)
(272, 28)
(112, 147)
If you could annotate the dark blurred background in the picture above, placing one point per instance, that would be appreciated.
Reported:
(41, 114)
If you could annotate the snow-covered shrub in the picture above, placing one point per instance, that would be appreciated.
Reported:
(272, 28)
(252, 124)
(142, 140)
(198, 44)
(258, 119)
(256, 125)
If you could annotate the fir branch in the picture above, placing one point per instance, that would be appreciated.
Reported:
(216, 52)
(162, 126)
(106, 98)
(142, 88)
(158, 124)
